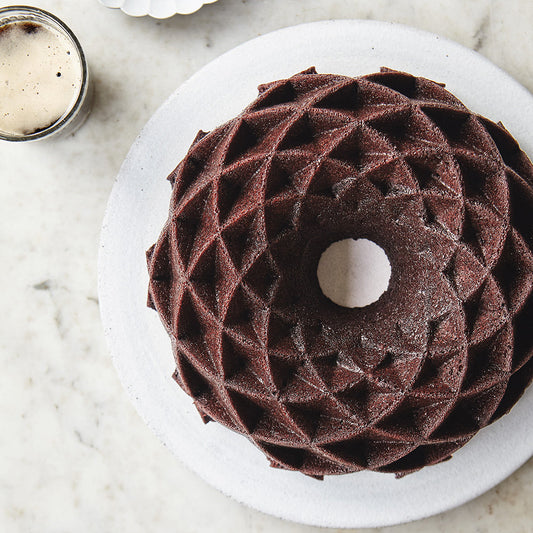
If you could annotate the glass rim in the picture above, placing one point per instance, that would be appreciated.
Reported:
(22, 10)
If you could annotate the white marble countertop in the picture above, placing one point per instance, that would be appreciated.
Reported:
(74, 455)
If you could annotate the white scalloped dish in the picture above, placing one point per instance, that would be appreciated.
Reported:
(159, 9)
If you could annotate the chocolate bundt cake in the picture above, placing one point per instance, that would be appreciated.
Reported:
(323, 389)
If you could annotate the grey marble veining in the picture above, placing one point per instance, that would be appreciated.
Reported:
(74, 455)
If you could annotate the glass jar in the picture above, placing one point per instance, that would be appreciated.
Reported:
(44, 77)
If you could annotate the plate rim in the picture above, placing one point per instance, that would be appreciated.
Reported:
(103, 295)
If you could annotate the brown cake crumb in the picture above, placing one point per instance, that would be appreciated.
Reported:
(391, 387)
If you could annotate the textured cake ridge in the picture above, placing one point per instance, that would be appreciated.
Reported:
(322, 389)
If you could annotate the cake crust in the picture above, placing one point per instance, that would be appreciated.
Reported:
(391, 387)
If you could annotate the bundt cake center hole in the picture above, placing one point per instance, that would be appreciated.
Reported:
(354, 272)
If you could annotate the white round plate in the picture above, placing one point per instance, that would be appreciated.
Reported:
(139, 345)
(159, 9)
